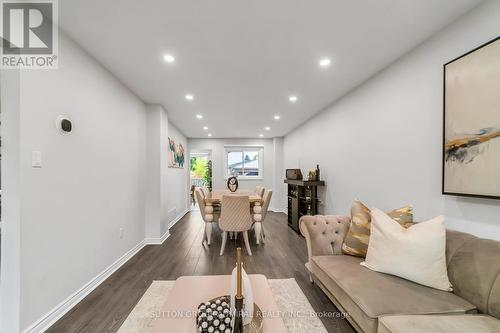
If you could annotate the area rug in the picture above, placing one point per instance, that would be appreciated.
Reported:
(287, 293)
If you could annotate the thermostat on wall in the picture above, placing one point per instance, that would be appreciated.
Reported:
(64, 125)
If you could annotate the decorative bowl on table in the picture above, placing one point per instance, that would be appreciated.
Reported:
(215, 316)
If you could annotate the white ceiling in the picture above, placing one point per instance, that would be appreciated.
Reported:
(241, 59)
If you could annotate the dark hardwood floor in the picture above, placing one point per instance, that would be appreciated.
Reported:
(283, 256)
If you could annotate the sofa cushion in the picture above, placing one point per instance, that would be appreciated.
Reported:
(358, 235)
(454, 241)
(474, 271)
(438, 324)
(416, 253)
(365, 295)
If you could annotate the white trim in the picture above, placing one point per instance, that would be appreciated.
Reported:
(242, 148)
(279, 210)
(49, 319)
(246, 178)
(178, 218)
(201, 153)
(157, 241)
(62, 308)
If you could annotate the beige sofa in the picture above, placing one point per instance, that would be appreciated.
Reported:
(377, 302)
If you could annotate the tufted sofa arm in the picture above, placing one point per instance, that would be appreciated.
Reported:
(324, 234)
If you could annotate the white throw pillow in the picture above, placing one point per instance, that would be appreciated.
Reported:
(417, 253)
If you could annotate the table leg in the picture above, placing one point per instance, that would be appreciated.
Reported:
(208, 231)
(209, 217)
(257, 217)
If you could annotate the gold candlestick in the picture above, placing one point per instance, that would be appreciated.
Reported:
(239, 282)
(238, 316)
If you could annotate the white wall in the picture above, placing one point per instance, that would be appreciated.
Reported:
(216, 146)
(177, 181)
(382, 142)
(279, 202)
(10, 279)
(156, 173)
(91, 183)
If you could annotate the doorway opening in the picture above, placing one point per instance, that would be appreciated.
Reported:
(200, 173)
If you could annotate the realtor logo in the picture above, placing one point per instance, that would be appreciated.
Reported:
(29, 34)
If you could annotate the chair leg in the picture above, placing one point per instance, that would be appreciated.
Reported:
(247, 243)
(263, 235)
(224, 239)
(235, 236)
(204, 236)
(208, 231)
(258, 230)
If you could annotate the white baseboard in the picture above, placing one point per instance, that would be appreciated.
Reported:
(279, 210)
(62, 308)
(157, 241)
(178, 218)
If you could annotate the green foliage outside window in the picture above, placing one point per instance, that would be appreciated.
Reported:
(198, 167)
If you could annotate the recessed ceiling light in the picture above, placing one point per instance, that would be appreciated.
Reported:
(209, 134)
(277, 117)
(267, 128)
(199, 116)
(169, 58)
(325, 62)
(293, 98)
(189, 97)
(261, 135)
(205, 128)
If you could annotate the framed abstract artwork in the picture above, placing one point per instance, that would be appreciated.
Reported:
(175, 154)
(471, 133)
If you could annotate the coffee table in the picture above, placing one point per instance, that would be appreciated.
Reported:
(189, 291)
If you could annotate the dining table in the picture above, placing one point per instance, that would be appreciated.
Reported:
(214, 198)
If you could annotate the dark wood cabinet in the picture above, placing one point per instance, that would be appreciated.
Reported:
(302, 200)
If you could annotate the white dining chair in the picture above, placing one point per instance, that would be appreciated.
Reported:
(235, 217)
(260, 190)
(209, 219)
(259, 226)
(204, 190)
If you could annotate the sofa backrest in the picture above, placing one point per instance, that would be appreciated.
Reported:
(474, 270)
(324, 233)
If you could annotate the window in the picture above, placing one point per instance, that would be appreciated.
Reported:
(244, 162)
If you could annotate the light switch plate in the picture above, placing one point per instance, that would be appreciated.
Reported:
(36, 159)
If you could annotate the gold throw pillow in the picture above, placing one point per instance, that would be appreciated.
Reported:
(357, 238)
